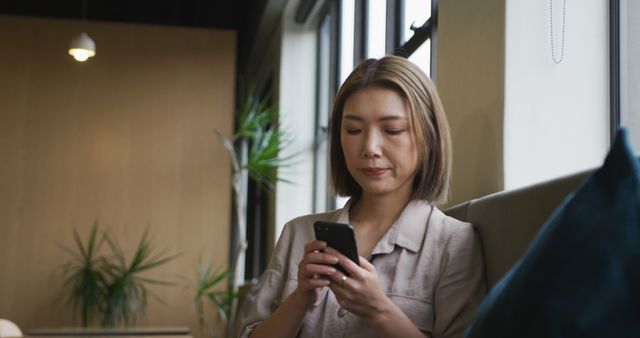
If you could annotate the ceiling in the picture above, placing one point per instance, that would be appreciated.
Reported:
(252, 19)
(224, 14)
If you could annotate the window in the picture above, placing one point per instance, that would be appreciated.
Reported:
(376, 28)
(416, 14)
(327, 74)
(625, 67)
(347, 23)
(257, 215)
(362, 29)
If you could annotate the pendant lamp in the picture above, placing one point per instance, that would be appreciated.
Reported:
(82, 47)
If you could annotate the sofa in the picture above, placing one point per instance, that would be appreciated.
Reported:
(507, 221)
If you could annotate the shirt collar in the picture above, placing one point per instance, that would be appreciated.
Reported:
(407, 231)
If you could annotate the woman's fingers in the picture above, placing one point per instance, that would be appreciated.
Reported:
(365, 264)
(338, 287)
(360, 292)
(316, 265)
(320, 258)
(314, 246)
(352, 268)
(314, 253)
(318, 269)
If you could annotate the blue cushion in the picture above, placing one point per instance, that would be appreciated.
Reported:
(580, 277)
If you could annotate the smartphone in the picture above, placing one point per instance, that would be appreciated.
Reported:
(339, 236)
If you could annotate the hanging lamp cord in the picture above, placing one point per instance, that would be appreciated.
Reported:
(564, 11)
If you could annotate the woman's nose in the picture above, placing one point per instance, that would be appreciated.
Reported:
(371, 147)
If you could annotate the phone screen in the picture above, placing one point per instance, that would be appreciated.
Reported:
(339, 236)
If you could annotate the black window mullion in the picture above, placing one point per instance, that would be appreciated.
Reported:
(334, 78)
(433, 37)
(395, 18)
(614, 67)
(360, 31)
(420, 35)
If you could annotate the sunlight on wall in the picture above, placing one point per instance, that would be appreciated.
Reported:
(556, 116)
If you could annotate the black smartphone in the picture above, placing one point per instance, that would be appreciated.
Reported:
(339, 236)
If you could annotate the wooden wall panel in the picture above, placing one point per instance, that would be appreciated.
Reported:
(125, 138)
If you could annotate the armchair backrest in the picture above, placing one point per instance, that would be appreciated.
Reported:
(507, 221)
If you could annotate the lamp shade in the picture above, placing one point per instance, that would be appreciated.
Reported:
(82, 47)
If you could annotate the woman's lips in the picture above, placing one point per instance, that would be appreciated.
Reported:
(373, 171)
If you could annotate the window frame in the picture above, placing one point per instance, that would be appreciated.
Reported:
(393, 39)
(331, 8)
(428, 31)
(614, 67)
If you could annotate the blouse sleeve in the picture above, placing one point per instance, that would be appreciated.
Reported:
(462, 286)
(271, 287)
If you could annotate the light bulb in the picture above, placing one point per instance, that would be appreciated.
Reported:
(82, 47)
(81, 54)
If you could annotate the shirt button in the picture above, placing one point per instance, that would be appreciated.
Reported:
(342, 312)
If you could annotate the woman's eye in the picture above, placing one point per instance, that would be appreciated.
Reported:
(394, 131)
(353, 131)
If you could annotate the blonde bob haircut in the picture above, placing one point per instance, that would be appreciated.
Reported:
(430, 127)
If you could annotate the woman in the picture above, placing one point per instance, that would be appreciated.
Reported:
(420, 272)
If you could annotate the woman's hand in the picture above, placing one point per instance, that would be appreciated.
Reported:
(314, 271)
(359, 293)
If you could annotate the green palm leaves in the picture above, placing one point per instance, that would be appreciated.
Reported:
(208, 289)
(85, 276)
(256, 152)
(107, 285)
(258, 142)
(126, 294)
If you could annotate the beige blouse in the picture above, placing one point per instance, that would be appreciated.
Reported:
(430, 265)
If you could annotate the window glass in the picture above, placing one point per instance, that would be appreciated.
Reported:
(416, 12)
(630, 69)
(376, 28)
(346, 38)
(322, 116)
(346, 53)
(422, 57)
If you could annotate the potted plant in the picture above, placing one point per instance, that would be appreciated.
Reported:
(125, 296)
(255, 150)
(85, 276)
(109, 287)
(209, 290)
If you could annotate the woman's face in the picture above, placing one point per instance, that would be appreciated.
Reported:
(378, 142)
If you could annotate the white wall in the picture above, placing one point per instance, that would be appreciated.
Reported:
(297, 78)
(556, 116)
